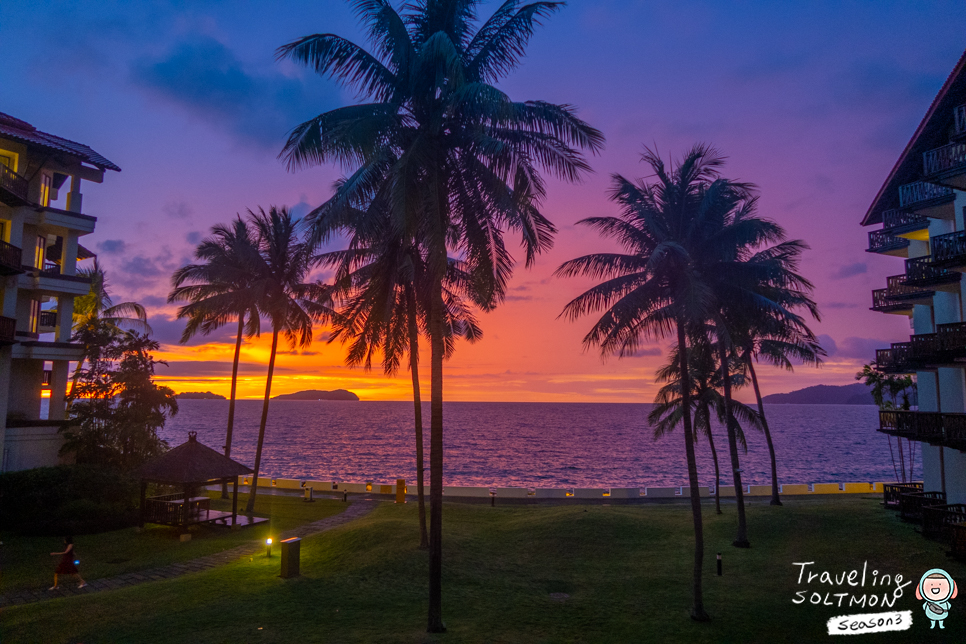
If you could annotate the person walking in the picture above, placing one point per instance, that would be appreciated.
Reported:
(67, 565)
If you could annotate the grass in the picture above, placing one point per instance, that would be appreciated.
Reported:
(27, 563)
(626, 570)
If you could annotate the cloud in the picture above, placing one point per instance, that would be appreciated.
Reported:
(849, 270)
(207, 78)
(861, 348)
(646, 351)
(141, 266)
(213, 368)
(111, 246)
(167, 330)
(841, 305)
(828, 344)
(177, 210)
(193, 238)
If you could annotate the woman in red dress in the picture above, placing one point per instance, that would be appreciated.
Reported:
(67, 565)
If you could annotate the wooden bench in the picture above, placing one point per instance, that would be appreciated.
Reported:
(892, 491)
(936, 519)
(911, 504)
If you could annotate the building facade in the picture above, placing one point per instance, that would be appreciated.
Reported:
(922, 211)
(41, 223)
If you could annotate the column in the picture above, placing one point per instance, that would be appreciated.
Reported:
(74, 197)
(65, 318)
(58, 389)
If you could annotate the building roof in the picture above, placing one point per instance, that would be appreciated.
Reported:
(930, 134)
(14, 128)
(191, 462)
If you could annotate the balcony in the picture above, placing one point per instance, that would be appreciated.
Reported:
(899, 297)
(8, 331)
(946, 164)
(48, 321)
(10, 258)
(13, 188)
(926, 351)
(900, 222)
(937, 428)
(949, 250)
(927, 199)
(887, 244)
(922, 272)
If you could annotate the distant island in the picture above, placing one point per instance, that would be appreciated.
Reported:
(854, 394)
(199, 395)
(317, 394)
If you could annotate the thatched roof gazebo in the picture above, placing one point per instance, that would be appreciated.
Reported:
(190, 466)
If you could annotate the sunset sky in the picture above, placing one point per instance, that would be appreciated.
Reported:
(812, 101)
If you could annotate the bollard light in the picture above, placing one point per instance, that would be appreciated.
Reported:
(719, 564)
(268, 544)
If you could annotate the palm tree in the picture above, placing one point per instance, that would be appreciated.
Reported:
(707, 401)
(278, 287)
(96, 308)
(378, 277)
(658, 286)
(778, 342)
(218, 291)
(457, 160)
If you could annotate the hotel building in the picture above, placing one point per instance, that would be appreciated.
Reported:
(921, 209)
(39, 251)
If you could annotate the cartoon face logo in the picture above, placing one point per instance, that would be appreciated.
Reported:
(936, 588)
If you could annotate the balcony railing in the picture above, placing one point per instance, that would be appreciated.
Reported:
(12, 185)
(882, 242)
(8, 330)
(938, 428)
(920, 192)
(922, 271)
(948, 157)
(10, 258)
(947, 346)
(898, 222)
(949, 250)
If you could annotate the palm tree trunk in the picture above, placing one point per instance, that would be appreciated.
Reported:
(435, 620)
(741, 540)
(417, 411)
(775, 500)
(231, 400)
(261, 428)
(717, 469)
(697, 610)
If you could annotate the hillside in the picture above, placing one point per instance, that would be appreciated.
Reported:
(854, 394)
(317, 394)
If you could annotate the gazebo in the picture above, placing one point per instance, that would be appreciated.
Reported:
(191, 466)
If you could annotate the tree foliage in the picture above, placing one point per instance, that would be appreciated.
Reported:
(117, 408)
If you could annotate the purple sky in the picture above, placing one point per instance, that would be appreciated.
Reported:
(812, 101)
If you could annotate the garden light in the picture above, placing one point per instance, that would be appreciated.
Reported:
(268, 544)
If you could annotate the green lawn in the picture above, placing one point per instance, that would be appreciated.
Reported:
(626, 570)
(27, 562)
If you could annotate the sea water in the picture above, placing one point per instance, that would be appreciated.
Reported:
(535, 444)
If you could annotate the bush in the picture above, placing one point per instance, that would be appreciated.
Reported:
(68, 499)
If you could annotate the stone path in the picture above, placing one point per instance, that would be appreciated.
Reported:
(359, 508)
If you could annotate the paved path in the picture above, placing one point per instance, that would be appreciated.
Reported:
(356, 510)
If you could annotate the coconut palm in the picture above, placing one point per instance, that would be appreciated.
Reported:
(217, 291)
(379, 277)
(658, 286)
(97, 309)
(282, 295)
(778, 342)
(707, 401)
(458, 160)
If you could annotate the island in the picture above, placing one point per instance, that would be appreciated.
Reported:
(318, 394)
(854, 394)
(199, 395)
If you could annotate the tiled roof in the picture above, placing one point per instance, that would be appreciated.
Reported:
(930, 134)
(191, 462)
(14, 128)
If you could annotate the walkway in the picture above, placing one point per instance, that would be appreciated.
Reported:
(358, 509)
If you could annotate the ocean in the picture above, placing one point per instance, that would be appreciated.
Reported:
(534, 444)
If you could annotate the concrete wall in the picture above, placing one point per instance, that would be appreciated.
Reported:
(29, 447)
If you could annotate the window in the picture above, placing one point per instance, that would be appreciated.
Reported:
(45, 190)
(8, 159)
(40, 252)
(34, 322)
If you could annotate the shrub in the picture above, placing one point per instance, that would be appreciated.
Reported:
(67, 499)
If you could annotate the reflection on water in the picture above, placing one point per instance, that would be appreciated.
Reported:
(534, 444)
